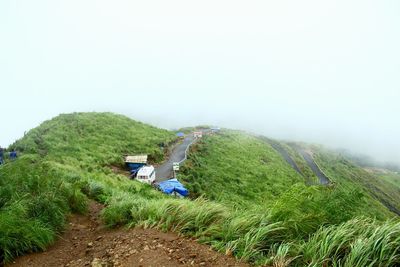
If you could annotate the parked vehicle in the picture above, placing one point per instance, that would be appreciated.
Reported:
(146, 174)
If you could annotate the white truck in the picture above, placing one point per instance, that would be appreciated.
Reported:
(146, 174)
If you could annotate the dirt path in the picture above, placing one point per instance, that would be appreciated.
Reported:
(87, 243)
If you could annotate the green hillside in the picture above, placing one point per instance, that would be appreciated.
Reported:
(393, 178)
(344, 173)
(94, 139)
(237, 169)
(246, 201)
(243, 170)
(63, 161)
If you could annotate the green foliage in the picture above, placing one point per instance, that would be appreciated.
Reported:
(237, 169)
(64, 161)
(33, 205)
(302, 164)
(393, 178)
(259, 236)
(345, 174)
(245, 172)
(358, 242)
(253, 205)
(91, 140)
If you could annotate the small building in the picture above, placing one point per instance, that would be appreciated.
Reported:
(198, 134)
(135, 162)
(146, 174)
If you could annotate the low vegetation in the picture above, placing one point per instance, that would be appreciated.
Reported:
(247, 201)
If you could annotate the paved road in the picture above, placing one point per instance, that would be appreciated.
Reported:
(314, 167)
(285, 155)
(165, 171)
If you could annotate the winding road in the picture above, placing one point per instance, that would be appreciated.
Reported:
(165, 170)
(323, 179)
(285, 156)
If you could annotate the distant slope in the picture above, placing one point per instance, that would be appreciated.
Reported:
(393, 178)
(347, 174)
(244, 170)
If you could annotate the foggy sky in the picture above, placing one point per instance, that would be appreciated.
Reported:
(317, 71)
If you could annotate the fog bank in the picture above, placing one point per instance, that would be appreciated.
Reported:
(315, 71)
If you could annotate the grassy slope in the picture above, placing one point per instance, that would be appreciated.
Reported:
(66, 159)
(62, 158)
(237, 168)
(216, 163)
(94, 139)
(346, 174)
(244, 170)
(302, 164)
(393, 178)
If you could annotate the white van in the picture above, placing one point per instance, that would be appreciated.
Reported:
(146, 174)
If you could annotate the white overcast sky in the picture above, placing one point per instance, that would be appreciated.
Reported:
(318, 71)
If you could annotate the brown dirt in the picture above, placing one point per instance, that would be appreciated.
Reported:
(86, 242)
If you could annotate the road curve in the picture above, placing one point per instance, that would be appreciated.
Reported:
(285, 155)
(323, 179)
(165, 171)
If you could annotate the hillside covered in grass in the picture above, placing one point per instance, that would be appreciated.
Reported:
(247, 201)
(244, 170)
(63, 162)
(237, 168)
(393, 178)
(347, 174)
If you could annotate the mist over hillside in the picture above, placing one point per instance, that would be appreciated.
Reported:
(200, 133)
(247, 199)
(282, 69)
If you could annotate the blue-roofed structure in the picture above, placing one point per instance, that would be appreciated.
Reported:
(180, 134)
(173, 186)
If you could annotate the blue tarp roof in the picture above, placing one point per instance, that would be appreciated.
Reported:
(173, 185)
(180, 134)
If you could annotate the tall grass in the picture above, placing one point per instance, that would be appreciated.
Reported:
(252, 206)
(256, 236)
(33, 206)
(62, 159)
(358, 242)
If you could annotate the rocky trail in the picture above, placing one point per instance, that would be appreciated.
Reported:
(86, 242)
